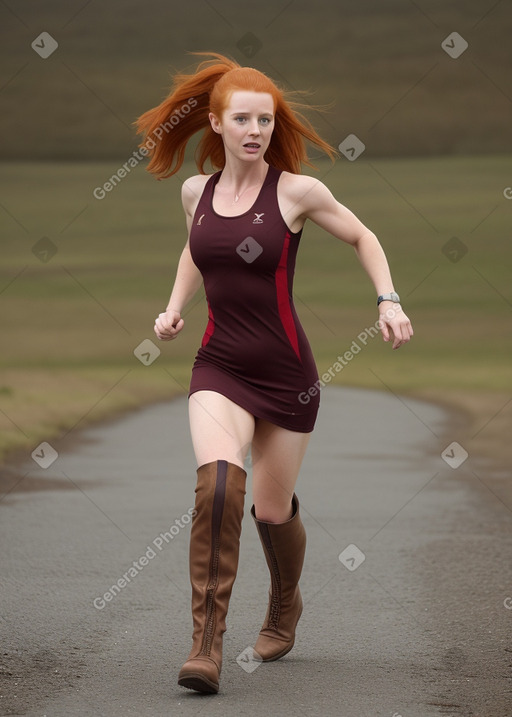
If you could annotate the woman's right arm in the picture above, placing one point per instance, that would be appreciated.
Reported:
(187, 282)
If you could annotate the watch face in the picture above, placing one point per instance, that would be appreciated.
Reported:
(395, 297)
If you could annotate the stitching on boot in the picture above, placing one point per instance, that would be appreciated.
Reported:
(275, 578)
(213, 578)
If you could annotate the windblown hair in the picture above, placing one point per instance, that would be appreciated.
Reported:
(168, 127)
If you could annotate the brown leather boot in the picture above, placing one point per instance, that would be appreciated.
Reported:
(214, 545)
(284, 545)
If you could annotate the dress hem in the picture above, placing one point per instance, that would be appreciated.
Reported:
(260, 414)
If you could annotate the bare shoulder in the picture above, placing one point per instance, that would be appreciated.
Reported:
(191, 191)
(304, 191)
(298, 186)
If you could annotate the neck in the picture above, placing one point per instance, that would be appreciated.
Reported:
(238, 176)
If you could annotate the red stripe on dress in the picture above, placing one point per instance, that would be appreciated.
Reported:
(283, 298)
(210, 326)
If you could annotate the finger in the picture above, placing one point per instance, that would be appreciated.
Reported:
(160, 331)
(402, 336)
(162, 325)
(171, 327)
(399, 338)
(165, 337)
(163, 322)
(167, 332)
(384, 329)
(407, 326)
(172, 331)
(160, 335)
(407, 331)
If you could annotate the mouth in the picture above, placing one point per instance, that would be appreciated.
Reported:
(252, 145)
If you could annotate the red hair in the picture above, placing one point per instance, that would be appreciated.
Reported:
(168, 127)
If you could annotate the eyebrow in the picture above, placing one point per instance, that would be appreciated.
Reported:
(246, 112)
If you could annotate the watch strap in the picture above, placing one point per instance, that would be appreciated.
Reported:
(392, 296)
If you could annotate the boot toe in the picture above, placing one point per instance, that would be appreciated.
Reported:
(271, 648)
(200, 674)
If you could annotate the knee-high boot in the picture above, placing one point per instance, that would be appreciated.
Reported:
(214, 547)
(284, 545)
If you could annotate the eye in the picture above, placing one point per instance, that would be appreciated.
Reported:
(240, 120)
(265, 120)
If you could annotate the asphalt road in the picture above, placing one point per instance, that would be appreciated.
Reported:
(407, 582)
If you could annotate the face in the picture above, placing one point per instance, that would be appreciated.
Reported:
(246, 124)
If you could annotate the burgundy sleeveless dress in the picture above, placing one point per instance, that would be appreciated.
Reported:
(254, 350)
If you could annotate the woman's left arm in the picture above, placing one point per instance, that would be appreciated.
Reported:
(318, 204)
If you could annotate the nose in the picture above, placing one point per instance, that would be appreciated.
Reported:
(254, 128)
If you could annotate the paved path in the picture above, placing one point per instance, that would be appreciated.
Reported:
(418, 628)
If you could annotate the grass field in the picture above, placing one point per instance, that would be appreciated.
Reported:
(70, 323)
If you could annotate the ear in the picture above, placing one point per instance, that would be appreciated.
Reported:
(215, 123)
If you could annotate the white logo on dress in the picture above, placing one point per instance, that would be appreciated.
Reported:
(258, 219)
(200, 220)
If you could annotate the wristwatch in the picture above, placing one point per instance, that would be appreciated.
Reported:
(393, 296)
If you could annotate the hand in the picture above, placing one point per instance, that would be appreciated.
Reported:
(394, 324)
(168, 325)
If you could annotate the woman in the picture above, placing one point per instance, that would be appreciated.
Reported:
(254, 363)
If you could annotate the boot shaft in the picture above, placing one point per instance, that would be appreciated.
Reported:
(214, 549)
(284, 547)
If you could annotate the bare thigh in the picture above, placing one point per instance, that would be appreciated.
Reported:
(220, 429)
(277, 455)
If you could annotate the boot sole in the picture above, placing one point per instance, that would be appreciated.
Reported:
(199, 683)
(279, 654)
